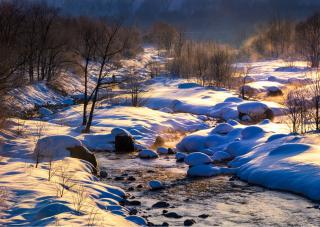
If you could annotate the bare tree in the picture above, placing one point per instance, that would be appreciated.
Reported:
(85, 49)
(109, 45)
(308, 39)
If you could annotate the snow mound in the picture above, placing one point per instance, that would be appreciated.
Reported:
(289, 149)
(233, 99)
(197, 158)
(192, 143)
(203, 171)
(223, 128)
(56, 146)
(148, 154)
(251, 132)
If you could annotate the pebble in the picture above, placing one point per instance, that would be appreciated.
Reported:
(189, 222)
(134, 203)
(103, 174)
(160, 204)
(203, 216)
(119, 178)
(172, 215)
(131, 178)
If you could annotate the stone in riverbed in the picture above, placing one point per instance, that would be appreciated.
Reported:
(103, 174)
(124, 144)
(189, 222)
(204, 216)
(148, 154)
(172, 215)
(155, 185)
(162, 151)
(160, 204)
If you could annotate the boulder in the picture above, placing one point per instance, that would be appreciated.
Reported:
(197, 158)
(148, 154)
(257, 111)
(83, 153)
(124, 144)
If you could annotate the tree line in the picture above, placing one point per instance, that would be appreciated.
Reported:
(287, 39)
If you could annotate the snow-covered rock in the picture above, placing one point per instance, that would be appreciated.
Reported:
(56, 146)
(120, 132)
(162, 150)
(197, 158)
(223, 128)
(180, 156)
(156, 185)
(255, 110)
(203, 171)
(148, 154)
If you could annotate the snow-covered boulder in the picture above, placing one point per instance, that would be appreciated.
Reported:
(120, 132)
(62, 146)
(233, 99)
(148, 154)
(223, 128)
(197, 158)
(180, 156)
(203, 171)
(156, 185)
(162, 150)
(191, 143)
(255, 110)
(274, 91)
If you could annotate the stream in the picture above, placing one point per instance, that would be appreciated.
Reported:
(216, 201)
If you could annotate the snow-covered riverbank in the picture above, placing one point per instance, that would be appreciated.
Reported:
(174, 108)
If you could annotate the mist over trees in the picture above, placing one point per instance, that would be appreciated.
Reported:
(229, 21)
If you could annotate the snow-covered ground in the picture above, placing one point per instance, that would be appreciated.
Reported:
(264, 154)
(270, 77)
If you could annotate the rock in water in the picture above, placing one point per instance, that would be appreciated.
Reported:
(172, 215)
(148, 154)
(189, 222)
(156, 185)
(124, 144)
(160, 204)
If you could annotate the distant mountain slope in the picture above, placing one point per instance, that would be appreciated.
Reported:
(225, 20)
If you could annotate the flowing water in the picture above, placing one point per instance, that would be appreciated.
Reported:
(216, 201)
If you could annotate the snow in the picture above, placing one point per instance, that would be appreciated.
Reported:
(148, 154)
(162, 150)
(223, 128)
(56, 146)
(252, 108)
(203, 171)
(197, 158)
